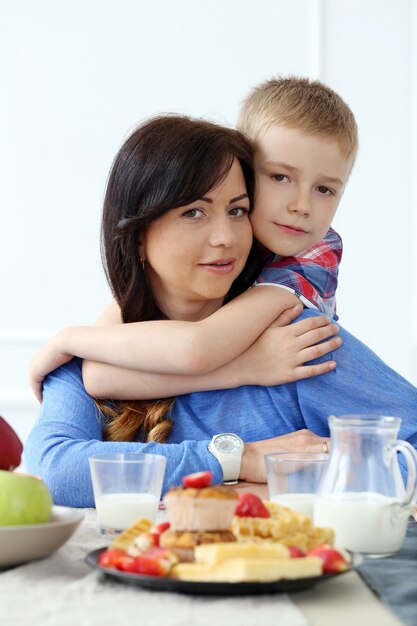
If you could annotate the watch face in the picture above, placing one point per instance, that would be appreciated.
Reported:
(227, 443)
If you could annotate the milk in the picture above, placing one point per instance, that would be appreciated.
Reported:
(120, 510)
(301, 502)
(363, 521)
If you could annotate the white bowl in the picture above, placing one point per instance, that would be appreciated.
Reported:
(19, 544)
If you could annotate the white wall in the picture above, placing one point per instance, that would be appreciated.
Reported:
(77, 76)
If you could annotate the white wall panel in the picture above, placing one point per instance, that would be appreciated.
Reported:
(77, 76)
(369, 59)
(414, 186)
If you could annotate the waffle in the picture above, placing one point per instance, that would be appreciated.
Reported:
(284, 526)
(125, 540)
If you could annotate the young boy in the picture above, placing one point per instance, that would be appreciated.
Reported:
(306, 140)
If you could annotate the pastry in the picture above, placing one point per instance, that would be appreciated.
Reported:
(184, 543)
(238, 570)
(208, 509)
(215, 553)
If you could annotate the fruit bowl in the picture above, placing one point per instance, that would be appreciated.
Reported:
(20, 544)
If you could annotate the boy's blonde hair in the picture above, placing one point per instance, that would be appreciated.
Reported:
(303, 104)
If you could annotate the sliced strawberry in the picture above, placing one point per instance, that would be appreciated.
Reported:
(146, 564)
(111, 557)
(198, 480)
(151, 539)
(333, 560)
(296, 553)
(126, 563)
(158, 529)
(249, 505)
(163, 553)
(146, 540)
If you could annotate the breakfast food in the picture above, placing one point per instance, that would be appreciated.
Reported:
(249, 570)
(217, 553)
(206, 508)
(199, 514)
(198, 480)
(249, 505)
(24, 499)
(333, 560)
(215, 535)
(126, 539)
(185, 542)
(154, 562)
(234, 563)
(284, 526)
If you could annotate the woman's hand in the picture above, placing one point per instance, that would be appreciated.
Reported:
(48, 358)
(278, 355)
(253, 463)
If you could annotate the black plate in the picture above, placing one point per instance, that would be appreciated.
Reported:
(158, 583)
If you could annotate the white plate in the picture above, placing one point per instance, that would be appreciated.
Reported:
(19, 544)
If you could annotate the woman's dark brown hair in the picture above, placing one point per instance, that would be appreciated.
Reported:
(168, 162)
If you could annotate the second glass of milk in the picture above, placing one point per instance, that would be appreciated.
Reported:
(293, 478)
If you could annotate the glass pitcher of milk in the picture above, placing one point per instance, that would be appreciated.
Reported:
(362, 495)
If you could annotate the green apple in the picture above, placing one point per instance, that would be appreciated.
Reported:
(24, 499)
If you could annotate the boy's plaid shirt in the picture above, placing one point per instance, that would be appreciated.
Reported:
(311, 276)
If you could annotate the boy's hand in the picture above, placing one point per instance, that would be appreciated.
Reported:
(47, 359)
(288, 316)
(279, 355)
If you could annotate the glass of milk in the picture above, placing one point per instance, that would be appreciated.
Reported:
(293, 478)
(126, 487)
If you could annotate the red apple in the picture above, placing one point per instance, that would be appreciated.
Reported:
(11, 447)
(333, 560)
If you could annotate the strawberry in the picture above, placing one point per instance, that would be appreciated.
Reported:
(151, 539)
(158, 529)
(111, 557)
(249, 505)
(163, 553)
(146, 540)
(145, 564)
(198, 480)
(333, 560)
(296, 553)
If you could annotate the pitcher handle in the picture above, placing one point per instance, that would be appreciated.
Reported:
(410, 456)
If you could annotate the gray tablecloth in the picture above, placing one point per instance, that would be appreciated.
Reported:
(394, 579)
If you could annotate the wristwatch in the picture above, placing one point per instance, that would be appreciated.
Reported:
(228, 448)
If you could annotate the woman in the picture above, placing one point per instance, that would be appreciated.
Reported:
(162, 262)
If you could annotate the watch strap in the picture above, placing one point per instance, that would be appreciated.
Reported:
(230, 464)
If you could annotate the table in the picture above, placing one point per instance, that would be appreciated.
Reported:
(395, 579)
(62, 590)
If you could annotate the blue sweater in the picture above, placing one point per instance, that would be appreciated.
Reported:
(69, 427)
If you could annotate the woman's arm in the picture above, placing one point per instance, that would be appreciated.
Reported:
(69, 430)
